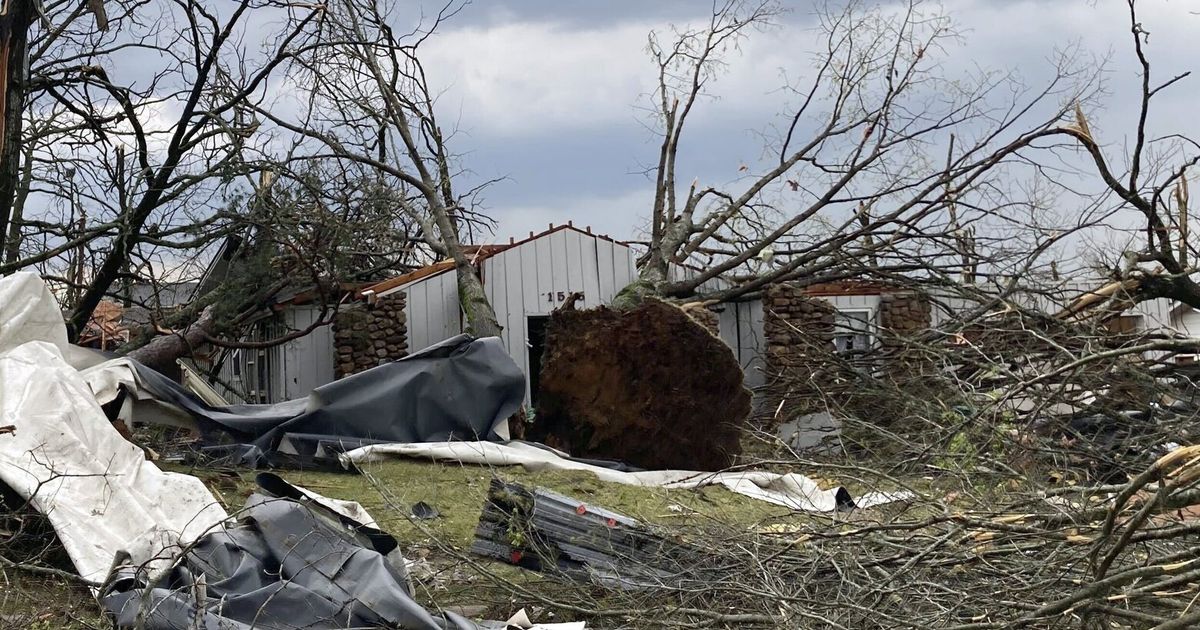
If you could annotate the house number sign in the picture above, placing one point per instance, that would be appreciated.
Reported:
(561, 296)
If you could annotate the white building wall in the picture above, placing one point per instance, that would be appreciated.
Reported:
(740, 325)
(534, 278)
(1156, 315)
(307, 362)
(431, 309)
(282, 372)
(1187, 322)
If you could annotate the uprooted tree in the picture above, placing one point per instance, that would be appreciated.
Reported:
(886, 166)
(873, 172)
(368, 102)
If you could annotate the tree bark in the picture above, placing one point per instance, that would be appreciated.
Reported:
(162, 352)
(14, 49)
(481, 317)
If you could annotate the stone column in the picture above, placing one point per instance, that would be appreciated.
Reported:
(368, 335)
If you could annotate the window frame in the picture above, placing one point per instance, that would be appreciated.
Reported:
(840, 331)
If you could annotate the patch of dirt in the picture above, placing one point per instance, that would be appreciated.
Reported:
(647, 386)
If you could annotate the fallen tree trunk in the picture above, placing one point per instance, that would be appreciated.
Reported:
(648, 386)
(161, 352)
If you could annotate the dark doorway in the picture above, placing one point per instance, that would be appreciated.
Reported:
(537, 344)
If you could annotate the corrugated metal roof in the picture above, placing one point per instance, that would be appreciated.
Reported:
(478, 254)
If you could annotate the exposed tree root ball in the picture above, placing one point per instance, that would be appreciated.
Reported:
(647, 386)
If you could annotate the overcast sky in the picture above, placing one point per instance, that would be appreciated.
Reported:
(546, 93)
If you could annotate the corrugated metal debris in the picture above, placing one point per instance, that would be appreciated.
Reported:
(548, 532)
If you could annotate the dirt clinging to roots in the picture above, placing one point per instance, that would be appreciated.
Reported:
(647, 386)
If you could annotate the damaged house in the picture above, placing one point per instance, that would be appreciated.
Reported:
(527, 279)
(381, 322)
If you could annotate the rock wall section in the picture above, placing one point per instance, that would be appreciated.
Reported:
(368, 335)
(803, 373)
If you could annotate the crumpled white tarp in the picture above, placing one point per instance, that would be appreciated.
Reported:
(97, 489)
(789, 490)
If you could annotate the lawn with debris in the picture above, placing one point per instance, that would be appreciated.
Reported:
(388, 490)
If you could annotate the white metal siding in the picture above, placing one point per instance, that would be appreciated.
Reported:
(527, 280)
(307, 362)
(245, 374)
(282, 372)
(431, 309)
(533, 278)
(751, 343)
(1156, 314)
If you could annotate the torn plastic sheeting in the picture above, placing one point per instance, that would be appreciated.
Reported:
(290, 563)
(98, 491)
(461, 388)
(789, 490)
(283, 567)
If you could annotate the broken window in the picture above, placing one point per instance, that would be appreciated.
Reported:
(853, 331)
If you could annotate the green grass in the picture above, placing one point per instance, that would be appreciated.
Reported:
(458, 492)
(46, 603)
(389, 489)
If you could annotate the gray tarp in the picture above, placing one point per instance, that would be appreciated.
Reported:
(289, 564)
(460, 389)
(293, 561)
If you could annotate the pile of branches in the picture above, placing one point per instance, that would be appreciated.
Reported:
(1104, 556)
(1050, 490)
(1084, 557)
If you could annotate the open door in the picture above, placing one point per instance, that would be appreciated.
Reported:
(536, 336)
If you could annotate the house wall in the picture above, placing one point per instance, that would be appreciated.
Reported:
(740, 325)
(432, 312)
(533, 279)
(799, 332)
(1187, 322)
(282, 372)
(307, 362)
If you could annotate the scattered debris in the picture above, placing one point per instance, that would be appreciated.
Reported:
(647, 386)
(790, 490)
(424, 511)
(811, 432)
(521, 620)
(551, 533)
